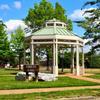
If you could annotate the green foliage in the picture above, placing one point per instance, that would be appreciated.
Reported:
(4, 44)
(17, 44)
(39, 14)
(60, 13)
(66, 61)
(69, 25)
(92, 23)
(45, 11)
(95, 61)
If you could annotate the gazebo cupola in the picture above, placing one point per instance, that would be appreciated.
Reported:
(55, 33)
(55, 23)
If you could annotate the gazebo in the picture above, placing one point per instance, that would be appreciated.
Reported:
(55, 33)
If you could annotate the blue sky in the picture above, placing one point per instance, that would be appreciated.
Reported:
(12, 11)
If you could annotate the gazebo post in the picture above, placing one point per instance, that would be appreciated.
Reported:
(72, 63)
(24, 56)
(32, 52)
(55, 58)
(56, 67)
(77, 59)
(83, 72)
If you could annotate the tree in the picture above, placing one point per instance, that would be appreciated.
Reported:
(92, 24)
(39, 14)
(17, 43)
(59, 13)
(4, 44)
(45, 11)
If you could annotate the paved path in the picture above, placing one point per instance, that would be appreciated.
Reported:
(83, 78)
(22, 91)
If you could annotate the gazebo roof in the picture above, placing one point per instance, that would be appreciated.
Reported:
(54, 27)
(53, 31)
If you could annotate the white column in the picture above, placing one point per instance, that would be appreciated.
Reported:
(83, 71)
(32, 53)
(55, 57)
(77, 60)
(24, 56)
(56, 67)
(72, 64)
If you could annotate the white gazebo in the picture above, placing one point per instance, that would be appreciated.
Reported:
(55, 33)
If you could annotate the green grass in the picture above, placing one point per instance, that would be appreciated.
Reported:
(52, 95)
(9, 82)
(95, 76)
(11, 71)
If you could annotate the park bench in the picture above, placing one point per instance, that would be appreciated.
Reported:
(31, 68)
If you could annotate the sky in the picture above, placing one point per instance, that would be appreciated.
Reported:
(13, 11)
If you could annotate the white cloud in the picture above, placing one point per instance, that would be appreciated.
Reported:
(0, 18)
(79, 14)
(14, 24)
(4, 7)
(17, 4)
(87, 48)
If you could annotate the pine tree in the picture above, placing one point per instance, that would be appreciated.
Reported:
(4, 44)
(92, 24)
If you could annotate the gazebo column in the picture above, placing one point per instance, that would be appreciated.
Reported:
(24, 56)
(72, 58)
(55, 58)
(32, 53)
(77, 60)
(83, 71)
(56, 72)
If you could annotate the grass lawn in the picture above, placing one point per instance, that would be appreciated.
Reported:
(9, 82)
(95, 76)
(52, 95)
(11, 71)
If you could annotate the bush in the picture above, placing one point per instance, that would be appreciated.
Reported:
(94, 61)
